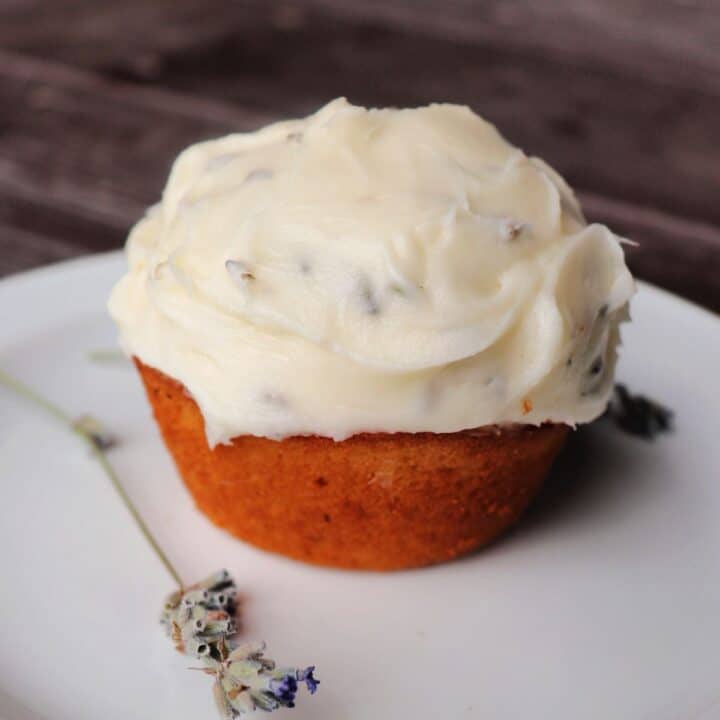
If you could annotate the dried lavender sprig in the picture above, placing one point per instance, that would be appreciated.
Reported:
(200, 623)
(89, 431)
(199, 618)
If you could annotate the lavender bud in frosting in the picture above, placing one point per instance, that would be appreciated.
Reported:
(239, 272)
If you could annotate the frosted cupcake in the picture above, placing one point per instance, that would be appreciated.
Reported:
(365, 334)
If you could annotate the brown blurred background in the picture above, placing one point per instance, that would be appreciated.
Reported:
(621, 96)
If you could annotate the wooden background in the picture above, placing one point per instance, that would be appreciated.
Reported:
(621, 96)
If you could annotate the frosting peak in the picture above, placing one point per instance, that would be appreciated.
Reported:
(373, 270)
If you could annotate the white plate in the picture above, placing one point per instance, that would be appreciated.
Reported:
(604, 604)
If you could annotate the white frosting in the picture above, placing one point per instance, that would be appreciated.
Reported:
(373, 270)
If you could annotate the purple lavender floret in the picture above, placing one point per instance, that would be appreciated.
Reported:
(307, 677)
(284, 689)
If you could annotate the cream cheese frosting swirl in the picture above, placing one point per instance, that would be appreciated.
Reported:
(373, 271)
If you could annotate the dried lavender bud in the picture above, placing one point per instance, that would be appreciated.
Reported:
(222, 599)
(512, 229)
(239, 272)
(196, 648)
(193, 597)
(639, 415)
(368, 298)
(597, 366)
(308, 678)
(200, 619)
(275, 399)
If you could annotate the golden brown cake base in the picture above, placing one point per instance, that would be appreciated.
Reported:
(375, 501)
